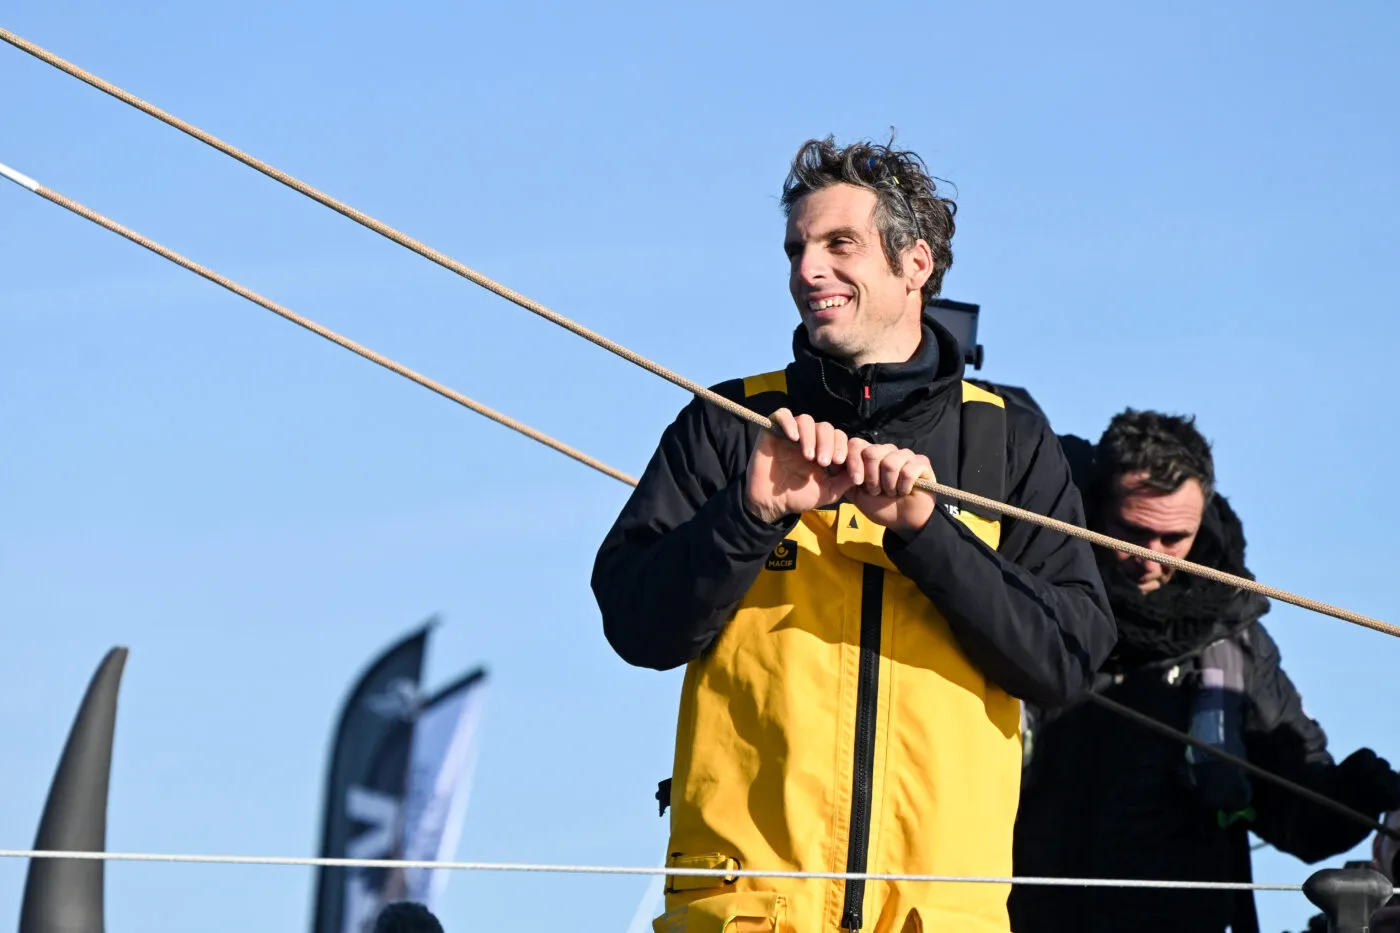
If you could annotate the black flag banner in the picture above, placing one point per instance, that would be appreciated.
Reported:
(398, 782)
(365, 785)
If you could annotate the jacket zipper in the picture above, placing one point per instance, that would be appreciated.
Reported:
(867, 703)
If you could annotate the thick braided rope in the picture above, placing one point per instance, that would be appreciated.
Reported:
(618, 349)
(332, 336)
(929, 485)
(383, 229)
(93, 216)
(1210, 573)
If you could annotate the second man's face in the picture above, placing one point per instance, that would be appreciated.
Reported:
(1164, 522)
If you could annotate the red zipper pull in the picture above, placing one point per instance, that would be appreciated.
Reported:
(867, 392)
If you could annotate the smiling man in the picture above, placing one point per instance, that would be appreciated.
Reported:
(1106, 798)
(855, 651)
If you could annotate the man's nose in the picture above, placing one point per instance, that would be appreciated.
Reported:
(812, 267)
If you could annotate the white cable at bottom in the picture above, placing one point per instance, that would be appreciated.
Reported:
(307, 862)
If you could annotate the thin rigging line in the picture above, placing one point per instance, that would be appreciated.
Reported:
(315, 328)
(447, 262)
(1142, 719)
(650, 870)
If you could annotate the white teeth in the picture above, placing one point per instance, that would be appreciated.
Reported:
(827, 303)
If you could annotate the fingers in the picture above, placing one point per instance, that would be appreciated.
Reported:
(883, 469)
(875, 457)
(917, 466)
(840, 447)
(786, 424)
(819, 442)
(824, 437)
(807, 436)
(855, 460)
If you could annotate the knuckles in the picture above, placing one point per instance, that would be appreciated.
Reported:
(875, 468)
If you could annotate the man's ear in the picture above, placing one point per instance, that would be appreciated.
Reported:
(918, 266)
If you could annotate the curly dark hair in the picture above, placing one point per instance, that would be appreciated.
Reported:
(1168, 448)
(908, 208)
(406, 917)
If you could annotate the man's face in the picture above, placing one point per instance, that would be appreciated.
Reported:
(853, 306)
(1167, 522)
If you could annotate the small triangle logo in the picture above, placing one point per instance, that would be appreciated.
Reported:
(853, 522)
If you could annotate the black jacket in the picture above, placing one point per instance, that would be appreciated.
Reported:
(1105, 797)
(684, 550)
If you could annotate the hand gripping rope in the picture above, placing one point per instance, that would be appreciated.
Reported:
(318, 329)
(535, 307)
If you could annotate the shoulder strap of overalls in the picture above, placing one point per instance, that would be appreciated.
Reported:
(982, 448)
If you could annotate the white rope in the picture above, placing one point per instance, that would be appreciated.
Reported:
(623, 870)
(19, 178)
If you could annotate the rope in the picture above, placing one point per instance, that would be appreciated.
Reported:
(722, 873)
(447, 262)
(67, 203)
(701, 392)
(500, 418)
(312, 326)
(1313, 796)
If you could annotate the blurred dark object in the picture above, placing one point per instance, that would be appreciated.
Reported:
(66, 895)
(1366, 781)
(406, 917)
(960, 318)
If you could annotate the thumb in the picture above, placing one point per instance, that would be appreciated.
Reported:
(837, 481)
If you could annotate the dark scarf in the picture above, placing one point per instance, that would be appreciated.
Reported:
(1189, 612)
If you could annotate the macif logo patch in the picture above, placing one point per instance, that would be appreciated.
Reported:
(784, 556)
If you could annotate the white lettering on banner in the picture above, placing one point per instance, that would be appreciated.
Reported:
(361, 904)
(381, 812)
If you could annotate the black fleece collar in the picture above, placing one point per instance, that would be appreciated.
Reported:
(896, 400)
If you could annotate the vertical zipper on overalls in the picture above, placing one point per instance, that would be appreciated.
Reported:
(867, 703)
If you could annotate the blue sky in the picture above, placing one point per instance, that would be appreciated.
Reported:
(1187, 206)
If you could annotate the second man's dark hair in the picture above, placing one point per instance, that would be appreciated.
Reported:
(1167, 449)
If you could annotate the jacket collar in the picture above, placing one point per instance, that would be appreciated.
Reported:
(904, 399)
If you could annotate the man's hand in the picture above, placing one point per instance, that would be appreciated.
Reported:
(1367, 783)
(882, 478)
(817, 465)
(788, 477)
